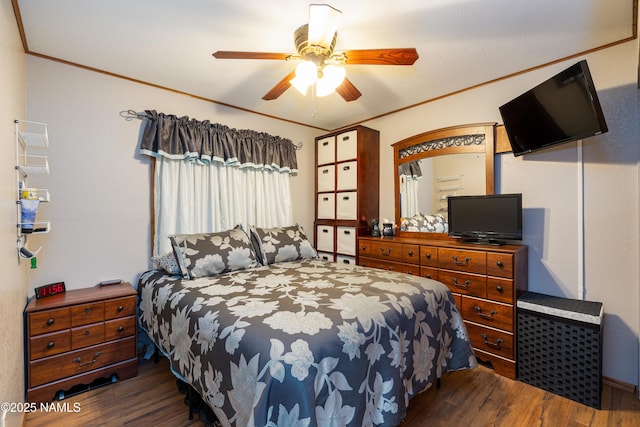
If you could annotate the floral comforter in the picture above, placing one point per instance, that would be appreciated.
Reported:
(306, 343)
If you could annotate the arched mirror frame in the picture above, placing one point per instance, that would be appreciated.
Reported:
(471, 138)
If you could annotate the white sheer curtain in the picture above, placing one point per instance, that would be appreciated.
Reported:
(191, 197)
(409, 195)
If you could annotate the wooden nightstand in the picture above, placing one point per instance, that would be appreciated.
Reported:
(79, 336)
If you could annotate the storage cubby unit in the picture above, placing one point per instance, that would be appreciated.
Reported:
(347, 176)
(31, 140)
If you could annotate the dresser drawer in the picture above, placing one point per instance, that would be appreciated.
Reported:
(346, 240)
(83, 314)
(494, 314)
(347, 176)
(491, 340)
(429, 256)
(347, 205)
(500, 265)
(326, 150)
(411, 254)
(86, 335)
(119, 307)
(119, 328)
(411, 269)
(49, 344)
(381, 264)
(326, 205)
(347, 145)
(500, 290)
(76, 362)
(364, 247)
(462, 260)
(326, 178)
(387, 251)
(463, 283)
(47, 321)
(324, 238)
(429, 273)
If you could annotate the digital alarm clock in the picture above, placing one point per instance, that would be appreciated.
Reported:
(50, 290)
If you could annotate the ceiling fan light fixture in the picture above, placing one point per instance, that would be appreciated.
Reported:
(323, 24)
(332, 77)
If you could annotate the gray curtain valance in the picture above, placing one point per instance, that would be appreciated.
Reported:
(202, 141)
(411, 169)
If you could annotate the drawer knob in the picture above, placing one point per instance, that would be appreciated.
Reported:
(457, 262)
(50, 345)
(120, 308)
(484, 315)
(410, 253)
(428, 276)
(500, 264)
(499, 288)
(120, 328)
(496, 345)
(428, 256)
(87, 332)
(50, 321)
(464, 285)
(87, 310)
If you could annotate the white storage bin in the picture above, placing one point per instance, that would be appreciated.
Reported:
(347, 176)
(346, 240)
(347, 148)
(326, 205)
(346, 204)
(325, 256)
(326, 178)
(347, 260)
(324, 238)
(326, 150)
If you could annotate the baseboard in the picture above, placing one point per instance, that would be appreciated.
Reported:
(621, 385)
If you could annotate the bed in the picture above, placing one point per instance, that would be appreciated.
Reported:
(286, 339)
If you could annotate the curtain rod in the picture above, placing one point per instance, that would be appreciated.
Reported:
(131, 114)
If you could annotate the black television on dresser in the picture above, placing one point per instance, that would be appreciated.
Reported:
(485, 219)
(561, 109)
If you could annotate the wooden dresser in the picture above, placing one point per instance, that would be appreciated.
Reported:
(485, 281)
(79, 336)
(347, 176)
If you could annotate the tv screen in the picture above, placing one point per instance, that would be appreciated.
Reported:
(561, 109)
(488, 219)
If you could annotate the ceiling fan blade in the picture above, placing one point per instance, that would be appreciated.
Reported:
(403, 56)
(348, 91)
(280, 87)
(323, 24)
(230, 54)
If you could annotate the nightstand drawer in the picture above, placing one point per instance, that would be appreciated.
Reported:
(77, 362)
(49, 344)
(119, 307)
(49, 321)
(86, 335)
(84, 314)
(119, 328)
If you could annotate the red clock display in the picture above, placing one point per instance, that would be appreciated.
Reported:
(50, 290)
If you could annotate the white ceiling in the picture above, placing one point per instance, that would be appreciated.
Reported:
(461, 43)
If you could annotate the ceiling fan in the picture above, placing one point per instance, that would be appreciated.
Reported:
(320, 67)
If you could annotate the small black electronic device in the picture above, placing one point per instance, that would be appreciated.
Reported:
(486, 219)
(561, 109)
(50, 290)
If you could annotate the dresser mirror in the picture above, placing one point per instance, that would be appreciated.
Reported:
(433, 165)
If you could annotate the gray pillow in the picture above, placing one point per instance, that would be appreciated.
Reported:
(210, 254)
(166, 262)
(281, 244)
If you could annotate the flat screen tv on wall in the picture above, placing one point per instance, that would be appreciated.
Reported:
(485, 219)
(561, 109)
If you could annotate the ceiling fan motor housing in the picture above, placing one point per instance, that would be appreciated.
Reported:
(312, 52)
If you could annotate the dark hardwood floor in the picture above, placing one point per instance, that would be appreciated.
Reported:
(474, 398)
